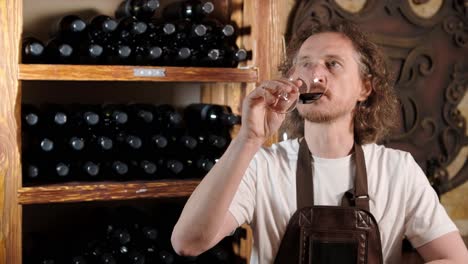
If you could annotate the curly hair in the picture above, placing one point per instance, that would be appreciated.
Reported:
(373, 118)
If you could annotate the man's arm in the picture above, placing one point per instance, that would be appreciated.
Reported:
(206, 219)
(448, 248)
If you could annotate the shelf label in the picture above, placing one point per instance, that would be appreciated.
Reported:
(141, 72)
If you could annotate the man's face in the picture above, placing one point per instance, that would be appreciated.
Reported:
(330, 59)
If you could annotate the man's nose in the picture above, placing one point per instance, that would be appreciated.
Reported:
(319, 79)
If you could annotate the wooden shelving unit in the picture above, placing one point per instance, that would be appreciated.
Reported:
(219, 85)
(47, 72)
(106, 191)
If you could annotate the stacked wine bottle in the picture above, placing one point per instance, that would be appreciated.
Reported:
(122, 142)
(126, 236)
(185, 35)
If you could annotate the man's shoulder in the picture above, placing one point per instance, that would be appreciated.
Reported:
(386, 155)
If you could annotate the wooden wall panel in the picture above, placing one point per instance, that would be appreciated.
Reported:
(10, 169)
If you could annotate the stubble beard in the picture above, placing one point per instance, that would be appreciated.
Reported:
(322, 115)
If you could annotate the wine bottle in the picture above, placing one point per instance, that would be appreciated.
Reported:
(166, 257)
(167, 117)
(197, 166)
(130, 31)
(90, 170)
(84, 118)
(213, 145)
(141, 117)
(101, 28)
(160, 33)
(140, 9)
(99, 145)
(114, 117)
(118, 170)
(128, 145)
(148, 54)
(189, 9)
(70, 27)
(214, 118)
(230, 56)
(158, 146)
(59, 51)
(32, 173)
(30, 119)
(56, 118)
(32, 50)
(61, 171)
(117, 54)
(169, 168)
(90, 53)
(144, 169)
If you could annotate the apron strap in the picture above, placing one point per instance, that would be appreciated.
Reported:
(358, 196)
(361, 194)
(304, 182)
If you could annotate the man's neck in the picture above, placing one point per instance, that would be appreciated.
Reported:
(330, 140)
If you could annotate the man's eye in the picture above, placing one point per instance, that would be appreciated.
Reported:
(333, 64)
(305, 64)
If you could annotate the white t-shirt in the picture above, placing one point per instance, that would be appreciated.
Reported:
(401, 198)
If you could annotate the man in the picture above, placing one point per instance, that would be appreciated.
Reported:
(256, 185)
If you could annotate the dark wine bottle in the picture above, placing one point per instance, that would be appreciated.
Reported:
(213, 145)
(32, 173)
(61, 171)
(217, 34)
(59, 51)
(128, 144)
(90, 53)
(99, 146)
(148, 54)
(130, 31)
(167, 117)
(32, 50)
(235, 55)
(89, 170)
(166, 257)
(230, 56)
(189, 9)
(70, 27)
(101, 28)
(144, 169)
(169, 168)
(140, 9)
(117, 54)
(197, 166)
(84, 118)
(158, 146)
(56, 119)
(118, 170)
(115, 118)
(218, 119)
(160, 33)
(30, 118)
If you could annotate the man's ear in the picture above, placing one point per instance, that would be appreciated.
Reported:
(366, 89)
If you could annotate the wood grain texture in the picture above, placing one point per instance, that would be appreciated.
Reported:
(10, 168)
(126, 73)
(106, 191)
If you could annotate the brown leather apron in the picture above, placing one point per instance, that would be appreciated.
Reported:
(330, 234)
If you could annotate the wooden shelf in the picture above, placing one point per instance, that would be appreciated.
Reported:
(48, 72)
(106, 191)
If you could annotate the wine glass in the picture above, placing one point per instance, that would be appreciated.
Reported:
(282, 99)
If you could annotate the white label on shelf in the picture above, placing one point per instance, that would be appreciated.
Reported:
(141, 72)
